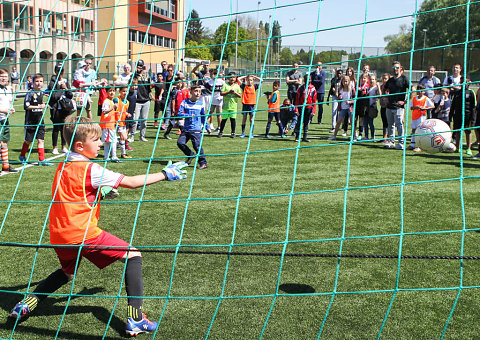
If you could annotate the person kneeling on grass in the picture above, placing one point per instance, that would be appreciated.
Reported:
(73, 224)
(193, 111)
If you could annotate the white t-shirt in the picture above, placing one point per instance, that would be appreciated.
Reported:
(78, 75)
(217, 97)
(6, 99)
(123, 79)
(428, 103)
(99, 176)
(456, 80)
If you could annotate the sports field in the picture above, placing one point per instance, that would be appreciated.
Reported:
(264, 196)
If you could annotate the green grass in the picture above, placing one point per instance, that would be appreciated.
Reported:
(371, 223)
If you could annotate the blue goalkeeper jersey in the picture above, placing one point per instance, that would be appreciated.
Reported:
(193, 113)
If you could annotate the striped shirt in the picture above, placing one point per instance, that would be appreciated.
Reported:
(194, 114)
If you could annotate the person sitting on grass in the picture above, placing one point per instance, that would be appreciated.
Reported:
(6, 109)
(81, 181)
(287, 114)
(463, 117)
(108, 124)
(419, 104)
(193, 111)
(273, 101)
(34, 124)
(249, 100)
(231, 92)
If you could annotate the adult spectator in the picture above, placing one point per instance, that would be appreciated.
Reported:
(167, 97)
(144, 95)
(294, 80)
(397, 87)
(335, 84)
(202, 74)
(87, 81)
(317, 78)
(124, 78)
(429, 81)
(454, 79)
(164, 71)
(14, 80)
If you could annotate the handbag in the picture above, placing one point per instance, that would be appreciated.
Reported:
(373, 111)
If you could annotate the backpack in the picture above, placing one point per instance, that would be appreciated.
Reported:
(66, 104)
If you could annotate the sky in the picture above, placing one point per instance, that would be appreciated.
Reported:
(328, 15)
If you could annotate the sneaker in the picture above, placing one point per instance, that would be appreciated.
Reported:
(21, 310)
(163, 127)
(143, 139)
(332, 138)
(469, 152)
(411, 147)
(417, 150)
(344, 134)
(65, 150)
(477, 156)
(22, 159)
(305, 140)
(179, 132)
(399, 146)
(232, 135)
(252, 136)
(10, 169)
(131, 139)
(125, 156)
(134, 328)
(389, 145)
(167, 136)
(242, 135)
(155, 125)
(55, 151)
(189, 160)
(45, 163)
(220, 135)
(284, 136)
(202, 166)
(116, 160)
(332, 131)
(128, 148)
(267, 136)
(212, 128)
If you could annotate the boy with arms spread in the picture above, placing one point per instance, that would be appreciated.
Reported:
(6, 109)
(34, 124)
(193, 110)
(230, 92)
(74, 218)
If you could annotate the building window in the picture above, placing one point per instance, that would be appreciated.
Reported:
(159, 41)
(151, 39)
(7, 15)
(141, 37)
(89, 29)
(132, 36)
(167, 42)
(61, 23)
(78, 27)
(45, 19)
(173, 43)
(172, 11)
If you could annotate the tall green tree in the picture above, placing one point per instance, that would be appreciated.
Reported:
(220, 37)
(195, 30)
(195, 50)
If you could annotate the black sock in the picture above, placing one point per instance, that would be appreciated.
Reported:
(233, 124)
(169, 128)
(222, 125)
(54, 281)
(243, 129)
(267, 130)
(134, 286)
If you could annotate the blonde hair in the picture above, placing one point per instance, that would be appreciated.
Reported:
(79, 129)
(342, 85)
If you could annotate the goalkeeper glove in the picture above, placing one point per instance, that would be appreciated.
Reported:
(108, 193)
(174, 172)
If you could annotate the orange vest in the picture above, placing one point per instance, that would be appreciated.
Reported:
(121, 113)
(249, 97)
(417, 113)
(107, 121)
(274, 106)
(72, 216)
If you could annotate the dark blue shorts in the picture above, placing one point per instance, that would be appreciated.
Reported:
(248, 109)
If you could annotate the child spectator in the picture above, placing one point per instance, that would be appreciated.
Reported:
(353, 87)
(287, 114)
(109, 125)
(121, 116)
(159, 105)
(362, 106)
(383, 107)
(6, 109)
(230, 92)
(345, 95)
(463, 119)
(249, 99)
(56, 89)
(29, 83)
(34, 124)
(102, 94)
(215, 84)
(442, 110)
(419, 104)
(132, 101)
(305, 103)
(180, 93)
(74, 224)
(78, 76)
(335, 84)
(372, 112)
(273, 101)
(193, 111)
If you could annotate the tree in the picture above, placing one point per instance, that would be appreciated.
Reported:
(399, 42)
(219, 40)
(286, 56)
(195, 30)
(195, 50)
(276, 39)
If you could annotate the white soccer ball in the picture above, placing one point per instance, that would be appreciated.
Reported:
(433, 135)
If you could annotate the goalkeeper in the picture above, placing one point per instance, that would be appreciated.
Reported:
(78, 187)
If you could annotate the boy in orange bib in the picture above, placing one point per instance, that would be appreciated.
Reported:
(419, 104)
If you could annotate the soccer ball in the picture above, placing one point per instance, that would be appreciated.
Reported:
(434, 136)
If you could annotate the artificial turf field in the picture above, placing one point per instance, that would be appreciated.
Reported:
(286, 193)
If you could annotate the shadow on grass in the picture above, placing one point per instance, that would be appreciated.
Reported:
(52, 306)
(296, 288)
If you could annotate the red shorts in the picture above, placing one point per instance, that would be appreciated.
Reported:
(101, 257)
